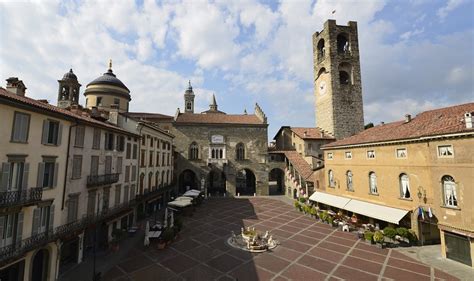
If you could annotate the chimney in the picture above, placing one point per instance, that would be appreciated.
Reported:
(468, 120)
(16, 86)
(407, 118)
(305, 134)
(113, 114)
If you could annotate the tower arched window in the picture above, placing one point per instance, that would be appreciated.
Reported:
(449, 191)
(344, 78)
(405, 191)
(332, 182)
(343, 44)
(349, 180)
(188, 105)
(373, 183)
(193, 151)
(240, 151)
(321, 49)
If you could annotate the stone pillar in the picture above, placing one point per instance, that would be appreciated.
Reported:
(230, 185)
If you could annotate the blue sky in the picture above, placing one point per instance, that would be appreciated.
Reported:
(415, 55)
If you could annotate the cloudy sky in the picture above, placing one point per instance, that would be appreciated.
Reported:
(415, 55)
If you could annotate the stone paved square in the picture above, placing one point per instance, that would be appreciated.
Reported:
(309, 250)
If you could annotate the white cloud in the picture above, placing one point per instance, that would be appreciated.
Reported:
(450, 6)
(409, 34)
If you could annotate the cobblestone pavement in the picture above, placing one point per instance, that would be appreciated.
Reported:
(309, 250)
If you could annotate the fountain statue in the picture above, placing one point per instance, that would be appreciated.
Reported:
(251, 240)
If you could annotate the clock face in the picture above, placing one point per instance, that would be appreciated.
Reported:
(322, 87)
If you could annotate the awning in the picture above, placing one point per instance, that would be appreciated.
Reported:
(329, 199)
(375, 211)
(183, 198)
(180, 204)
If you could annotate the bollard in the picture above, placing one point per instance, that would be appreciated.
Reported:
(255, 194)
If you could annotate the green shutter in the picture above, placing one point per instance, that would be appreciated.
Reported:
(26, 171)
(5, 176)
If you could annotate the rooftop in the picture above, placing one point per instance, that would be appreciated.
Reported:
(241, 119)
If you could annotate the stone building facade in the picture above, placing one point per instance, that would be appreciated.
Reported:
(224, 154)
(337, 80)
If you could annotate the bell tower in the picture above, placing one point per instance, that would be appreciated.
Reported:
(189, 99)
(337, 80)
(68, 93)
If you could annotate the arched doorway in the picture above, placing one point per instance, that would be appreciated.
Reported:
(275, 181)
(217, 183)
(245, 182)
(39, 271)
(187, 180)
(295, 193)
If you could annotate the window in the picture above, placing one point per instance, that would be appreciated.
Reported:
(449, 191)
(163, 159)
(157, 178)
(118, 164)
(144, 139)
(332, 182)
(14, 174)
(43, 219)
(98, 101)
(10, 224)
(349, 181)
(52, 131)
(151, 142)
(240, 151)
(79, 137)
(188, 105)
(150, 180)
(91, 203)
(96, 139)
(193, 151)
(404, 186)
(401, 153)
(348, 155)
(142, 158)
(445, 151)
(157, 159)
(21, 127)
(120, 143)
(163, 178)
(108, 165)
(163, 145)
(47, 173)
(76, 166)
(128, 152)
(135, 151)
(105, 198)
(117, 101)
(371, 154)
(127, 174)
(134, 173)
(141, 182)
(150, 156)
(344, 78)
(125, 193)
(330, 155)
(118, 189)
(132, 192)
(109, 141)
(72, 208)
(168, 177)
(168, 159)
(373, 183)
(94, 165)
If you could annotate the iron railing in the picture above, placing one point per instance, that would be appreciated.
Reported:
(150, 194)
(19, 248)
(99, 180)
(21, 197)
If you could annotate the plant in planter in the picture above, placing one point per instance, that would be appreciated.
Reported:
(297, 205)
(324, 216)
(379, 239)
(402, 236)
(390, 232)
(313, 211)
(302, 200)
(330, 220)
(369, 235)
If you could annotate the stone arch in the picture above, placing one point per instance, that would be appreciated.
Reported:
(345, 73)
(343, 45)
(245, 182)
(216, 181)
(276, 179)
(321, 71)
(187, 180)
(40, 265)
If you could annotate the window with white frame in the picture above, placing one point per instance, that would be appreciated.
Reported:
(449, 191)
(371, 154)
(445, 151)
(330, 155)
(401, 153)
(373, 183)
(348, 155)
(405, 186)
(193, 151)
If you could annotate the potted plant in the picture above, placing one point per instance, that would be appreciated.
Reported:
(402, 236)
(379, 239)
(369, 235)
(297, 205)
(324, 216)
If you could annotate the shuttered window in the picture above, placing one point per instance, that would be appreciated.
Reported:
(72, 208)
(21, 126)
(47, 173)
(135, 151)
(79, 137)
(109, 141)
(134, 173)
(129, 151)
(76, 166)
(96, 139)
(127, 174)
(119, 165)
(118, 189)
(52, 132)
(108, 165)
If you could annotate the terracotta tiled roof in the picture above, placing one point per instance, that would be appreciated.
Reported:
(298, 162)
(243, 119)
(146, 115)
(447, 120)
(4, 94)
(311, 133)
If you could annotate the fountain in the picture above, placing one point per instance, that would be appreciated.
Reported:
(252, 241)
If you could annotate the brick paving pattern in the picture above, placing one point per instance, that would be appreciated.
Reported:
(309, 250)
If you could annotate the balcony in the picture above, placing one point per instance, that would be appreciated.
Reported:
(21, 198)
(99, 180)
(19, 248)
(217, 162)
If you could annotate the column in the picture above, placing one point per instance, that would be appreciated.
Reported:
(80, 247)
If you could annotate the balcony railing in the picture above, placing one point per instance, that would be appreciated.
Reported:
(11, 252)
(21, 197)
(99, 180)
(219, 162)
(150, 194)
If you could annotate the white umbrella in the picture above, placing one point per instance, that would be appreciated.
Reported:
(165, 223)
(147, 233)
(172, 219)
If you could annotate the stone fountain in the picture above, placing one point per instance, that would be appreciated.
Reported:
(252, 241)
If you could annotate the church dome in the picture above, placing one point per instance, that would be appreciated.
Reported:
(108, 78)
(70, 75)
